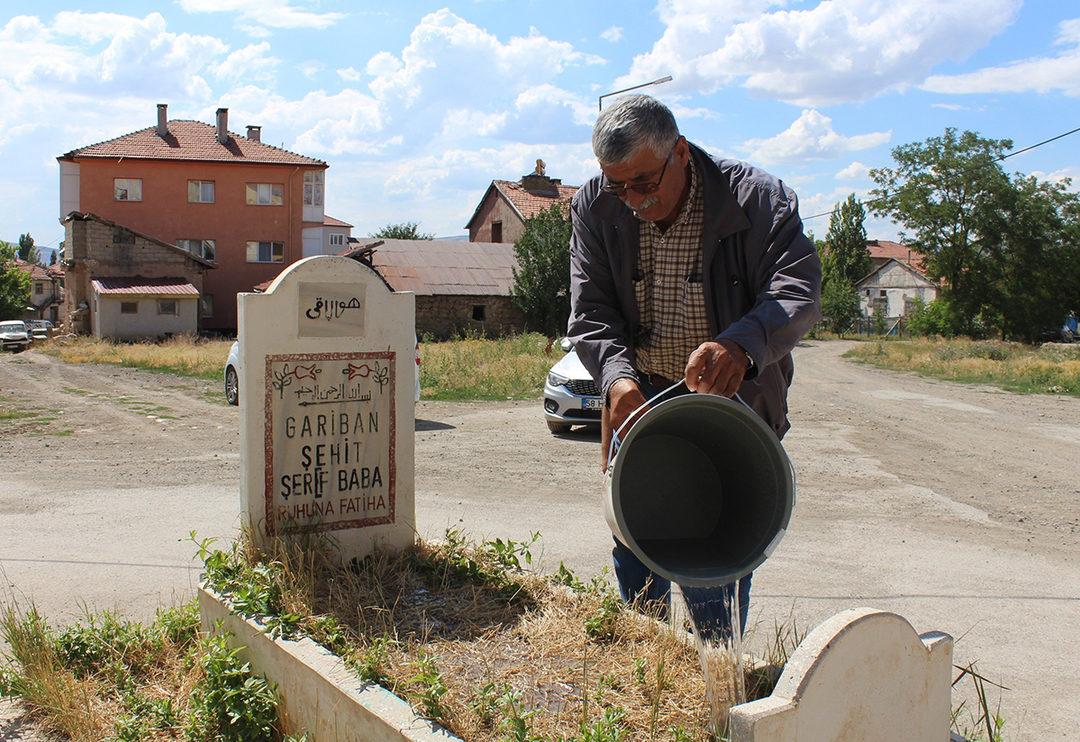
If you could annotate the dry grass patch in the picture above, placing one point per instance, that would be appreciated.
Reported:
(182, 355)
(477, 643)
(1046, 369)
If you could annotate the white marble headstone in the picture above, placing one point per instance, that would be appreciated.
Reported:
(327, 407)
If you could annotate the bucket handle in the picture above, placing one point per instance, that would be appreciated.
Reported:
(613, 448)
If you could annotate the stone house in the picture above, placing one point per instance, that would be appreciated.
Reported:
(894, 285)
(500, 216)
(459, 286)
(46, 298)
(245, 205)
(127, 285)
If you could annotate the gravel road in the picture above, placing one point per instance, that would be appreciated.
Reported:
(956, 506)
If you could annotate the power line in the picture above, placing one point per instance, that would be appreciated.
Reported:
(996, 159)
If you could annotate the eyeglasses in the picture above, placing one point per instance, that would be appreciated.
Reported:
(642, 189)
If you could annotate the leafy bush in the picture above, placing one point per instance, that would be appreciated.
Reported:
(930, 319)
(230, 703)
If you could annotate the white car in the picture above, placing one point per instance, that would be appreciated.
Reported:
(14, 335)
(571, 397)
(232, 374)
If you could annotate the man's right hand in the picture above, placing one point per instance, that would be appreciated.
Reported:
(623, 398)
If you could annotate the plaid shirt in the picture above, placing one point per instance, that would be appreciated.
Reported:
(668, 289)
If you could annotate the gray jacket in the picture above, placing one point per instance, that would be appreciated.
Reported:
(760, 275)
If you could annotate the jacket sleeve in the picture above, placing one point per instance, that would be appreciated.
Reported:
(597, 327)
(786, 275)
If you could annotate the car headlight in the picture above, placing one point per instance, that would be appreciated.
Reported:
(555, 380)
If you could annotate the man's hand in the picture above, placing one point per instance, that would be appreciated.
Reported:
(717, 367)
(624, 397)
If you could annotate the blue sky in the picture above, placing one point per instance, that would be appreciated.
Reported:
(417, 106)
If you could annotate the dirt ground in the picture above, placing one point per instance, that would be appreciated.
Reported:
(956, 506)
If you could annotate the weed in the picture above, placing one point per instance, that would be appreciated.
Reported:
(564, 576)
(431, 686)
(230, 703)
(485, 704)
(515, 725)
(371, 665)
(600, 625)
(982, 719)
(608, 728)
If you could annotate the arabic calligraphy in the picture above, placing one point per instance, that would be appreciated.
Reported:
(331, 309)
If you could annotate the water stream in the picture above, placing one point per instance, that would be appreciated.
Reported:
(721, 657)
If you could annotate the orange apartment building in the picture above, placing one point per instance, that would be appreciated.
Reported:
(247, 206)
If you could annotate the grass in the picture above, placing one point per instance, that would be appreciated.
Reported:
(1047, 369)
(470, 368)
(106, 679)
(18, 418)
(474, 641)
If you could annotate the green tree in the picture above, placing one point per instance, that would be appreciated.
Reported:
(846, 255)
(403, 231)
(839, 305)
(14, 284)
(52, 257)
(930, 319)
(946, 192)
(27, 251)
(1035, 264)
(541, 288)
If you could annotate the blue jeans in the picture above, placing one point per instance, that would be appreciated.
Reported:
(709, 607)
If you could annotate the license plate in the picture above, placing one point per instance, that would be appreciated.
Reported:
(591, 403)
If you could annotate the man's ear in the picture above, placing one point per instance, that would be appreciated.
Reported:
(682, 151)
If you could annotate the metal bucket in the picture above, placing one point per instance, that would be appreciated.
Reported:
(700, 490)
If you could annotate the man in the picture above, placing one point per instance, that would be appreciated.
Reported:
(685, 266)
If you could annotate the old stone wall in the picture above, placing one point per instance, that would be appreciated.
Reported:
(446, 316)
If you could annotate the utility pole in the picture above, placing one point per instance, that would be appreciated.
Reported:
(600, 100)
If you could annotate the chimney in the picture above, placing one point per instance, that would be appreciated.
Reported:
(162, 120)
(254, 132)
(223, 125)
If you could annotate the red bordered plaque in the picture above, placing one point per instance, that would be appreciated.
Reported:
(329, 441)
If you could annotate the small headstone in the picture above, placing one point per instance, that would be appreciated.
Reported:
(327, 407)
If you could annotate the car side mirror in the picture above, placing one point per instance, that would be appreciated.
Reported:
(566, 345)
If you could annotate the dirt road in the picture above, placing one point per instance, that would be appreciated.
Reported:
(956, 506)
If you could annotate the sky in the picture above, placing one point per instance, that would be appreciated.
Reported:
(418, 106)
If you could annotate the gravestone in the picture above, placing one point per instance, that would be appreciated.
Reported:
(327, 407)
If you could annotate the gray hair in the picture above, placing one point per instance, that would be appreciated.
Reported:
(633, 122)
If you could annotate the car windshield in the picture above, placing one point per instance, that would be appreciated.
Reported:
(12, 327)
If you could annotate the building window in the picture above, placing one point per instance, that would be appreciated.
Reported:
(206, 305)
(205, 249)
(39, 288)
(265, 194)
(266, 252)
(478, 312)
(313, 188)
(496, 231)
(127, 189)
(337, 240)
(166, 306)
(200, 191)
(129, 307)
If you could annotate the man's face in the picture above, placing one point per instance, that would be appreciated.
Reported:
(644, 167)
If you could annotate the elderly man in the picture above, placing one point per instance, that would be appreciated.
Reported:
(685, 266)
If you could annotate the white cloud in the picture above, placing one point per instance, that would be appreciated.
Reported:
(612, 34)
(949, 106)
(462, 123)
(840, 50)
(1034, 74)
(265, 13)
(1072, 174)
(249, 63)
(310, 68)
(854, 171)
(810, 137)
(349, 74)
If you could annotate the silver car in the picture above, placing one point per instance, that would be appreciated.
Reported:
(14, 335)
(571, 397)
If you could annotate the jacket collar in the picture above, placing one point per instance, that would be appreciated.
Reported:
(722, 212)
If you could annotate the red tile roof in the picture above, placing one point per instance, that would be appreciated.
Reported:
(329, 221)
(36, 272)
(145, 286)
(531, 203)
(190, 140)
(443, 267)
(882, 250)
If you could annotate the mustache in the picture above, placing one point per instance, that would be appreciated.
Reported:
(646, 204)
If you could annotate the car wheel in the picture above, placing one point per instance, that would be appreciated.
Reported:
(559, 428)
(232, 386)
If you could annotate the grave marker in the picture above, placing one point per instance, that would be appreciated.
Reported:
(327, 407)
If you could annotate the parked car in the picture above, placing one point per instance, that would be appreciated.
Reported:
(40, 329)
(571, 397)
(232, 374)
(14, 335)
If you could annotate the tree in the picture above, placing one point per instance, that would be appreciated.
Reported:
(839, 305)
(14, 284)
(403, 231)
(946, 191)
(52, 257)
(27, 251)
(541, 287)
(845, 242)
